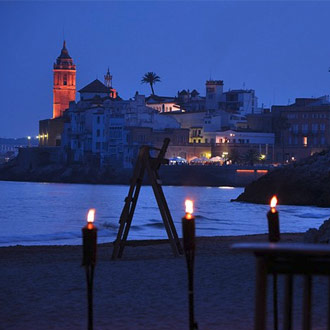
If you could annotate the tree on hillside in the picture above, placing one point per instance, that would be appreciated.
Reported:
(235, 156)
(150, 78)
(251, 157)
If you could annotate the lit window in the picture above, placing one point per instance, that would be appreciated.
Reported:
(305, 141)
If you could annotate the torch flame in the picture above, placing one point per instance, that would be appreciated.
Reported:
(189, 206)
(273, 202)
(90, 216)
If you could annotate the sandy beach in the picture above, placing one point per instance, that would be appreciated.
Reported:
(44, 287)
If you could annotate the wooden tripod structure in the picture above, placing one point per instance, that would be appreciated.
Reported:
(146, 163)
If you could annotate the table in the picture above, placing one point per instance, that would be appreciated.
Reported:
(288, 259)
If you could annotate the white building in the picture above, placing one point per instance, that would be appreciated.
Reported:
(214, 94)
(97, 126)
(240, 101)
(162, 103)
(241, 137)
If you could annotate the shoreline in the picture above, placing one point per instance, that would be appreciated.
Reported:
(180, 175)
(152, 242)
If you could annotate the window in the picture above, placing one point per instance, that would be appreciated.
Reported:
(315, 128)
(97, 145)
(115, 132)
(295, 128)
(98, 133)
(305, 141)
(305, 115)
(304, 128)
(322, 127)
(65, 79)
(113, 150)
(98, 119)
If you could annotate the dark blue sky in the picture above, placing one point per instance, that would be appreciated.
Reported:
(280, 49)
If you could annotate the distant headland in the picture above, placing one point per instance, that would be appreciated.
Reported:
(303, 183)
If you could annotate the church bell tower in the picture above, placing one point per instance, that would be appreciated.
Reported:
(64, 86)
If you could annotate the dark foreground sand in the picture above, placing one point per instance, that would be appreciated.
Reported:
(44, 288)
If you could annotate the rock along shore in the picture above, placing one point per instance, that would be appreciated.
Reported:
(303, 183)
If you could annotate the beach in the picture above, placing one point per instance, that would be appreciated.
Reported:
(44, 287)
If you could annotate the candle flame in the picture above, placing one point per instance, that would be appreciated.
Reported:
(189, 206)
(273, 202)
(91, 215)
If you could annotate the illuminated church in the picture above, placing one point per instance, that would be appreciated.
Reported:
(64, 92)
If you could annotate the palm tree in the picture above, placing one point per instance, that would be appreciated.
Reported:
(150, 78)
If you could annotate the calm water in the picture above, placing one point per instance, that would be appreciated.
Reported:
(51, 214)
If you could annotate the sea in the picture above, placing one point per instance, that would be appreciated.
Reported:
(54, 214)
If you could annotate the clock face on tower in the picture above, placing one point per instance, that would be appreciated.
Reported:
(64, 86)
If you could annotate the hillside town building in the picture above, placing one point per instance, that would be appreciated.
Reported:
(302, 128)
(105, 130)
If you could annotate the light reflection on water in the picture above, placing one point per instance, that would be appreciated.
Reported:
(37, 213)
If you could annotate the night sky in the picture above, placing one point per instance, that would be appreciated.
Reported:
(280, 49)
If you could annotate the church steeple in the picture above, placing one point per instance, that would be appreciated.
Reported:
(64, 52)
(108, 79)
(64, 87)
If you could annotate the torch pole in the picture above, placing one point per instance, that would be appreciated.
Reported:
(275, 306)
(188, 231)
(90, 278)
(89, 233)
(274, 236)
(190, 265)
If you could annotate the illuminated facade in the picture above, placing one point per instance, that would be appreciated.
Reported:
(64, 85)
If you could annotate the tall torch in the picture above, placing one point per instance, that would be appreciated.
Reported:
(89, 233)
(273, 221)
(274, 236)
(188, 230)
